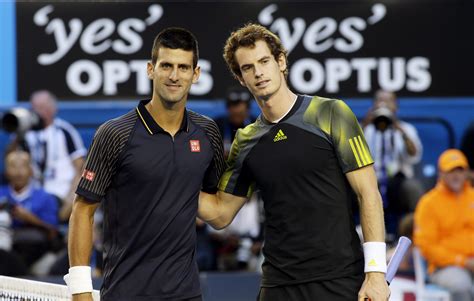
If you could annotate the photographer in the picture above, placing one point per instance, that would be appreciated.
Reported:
(396, 148)
(56, 148)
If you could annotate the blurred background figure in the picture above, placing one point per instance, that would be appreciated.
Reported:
(238, 116)
(396, 148)
(238, 245)
(57, 152)
(34, 212)
(405, 228)
(444, 227)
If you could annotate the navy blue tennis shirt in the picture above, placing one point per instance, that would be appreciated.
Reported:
(149, 183)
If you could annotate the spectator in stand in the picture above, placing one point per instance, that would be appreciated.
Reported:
(34, 212)
(396, 148)
(10, 263)
(444, 227)
(57, 152)
(238, 115)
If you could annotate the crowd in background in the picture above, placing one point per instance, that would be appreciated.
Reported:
(42, 168)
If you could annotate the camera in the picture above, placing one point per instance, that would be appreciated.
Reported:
(21, 120)
(382, 117)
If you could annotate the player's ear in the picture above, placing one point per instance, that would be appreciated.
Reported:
(282, 62)
(197, 73)
(149, 69)
(241, 80)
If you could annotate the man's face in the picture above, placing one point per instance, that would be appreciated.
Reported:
(455, 179)
(261, 73)
(173, 74)
(44, 107)
(18, 169)
(386, 99)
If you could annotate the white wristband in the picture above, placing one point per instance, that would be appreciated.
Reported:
(375, 257)
(79, 280)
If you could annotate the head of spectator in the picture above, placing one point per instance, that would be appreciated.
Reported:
(43, 103)
(453, 170)
(18, 169)
(238, 106)
(384, 110)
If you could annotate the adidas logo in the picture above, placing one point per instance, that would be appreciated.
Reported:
(372, 263)
(280, 136)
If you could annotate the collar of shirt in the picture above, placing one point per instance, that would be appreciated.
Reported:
(150, 123)
(294, 107)
(23, 195)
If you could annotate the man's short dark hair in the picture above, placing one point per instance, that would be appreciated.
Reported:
(175, 38)
(247, 36)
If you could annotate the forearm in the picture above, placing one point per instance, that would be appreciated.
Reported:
(218, 210)
(80, 237)
(409, 145)
(371, 214)
(211, 211)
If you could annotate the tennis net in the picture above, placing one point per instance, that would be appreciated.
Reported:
(15, 289)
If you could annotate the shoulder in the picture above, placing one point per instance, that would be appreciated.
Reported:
(40, 193)
(114, 128)
(429, 198)
(200, 119)
(321, 107)
(204, 122)
(249, 131)
(407, 126)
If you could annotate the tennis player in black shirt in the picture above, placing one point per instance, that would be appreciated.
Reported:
(147, 168)
(308, 157)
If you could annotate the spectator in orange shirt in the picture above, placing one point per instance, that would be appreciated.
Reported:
(444, 227)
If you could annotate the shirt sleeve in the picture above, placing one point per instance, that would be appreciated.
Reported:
(217, 166)
(101, 162)
(237, 179)
(348, 138)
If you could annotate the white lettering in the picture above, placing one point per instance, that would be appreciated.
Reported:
(315, 70)
(125, 31)
(356, 40)
(98, 31)
(94, 78)
(317, 32)
(63, 41)
(143, 82)
(364, 66)
(337, 70)
(419, 75)
(391, 79)
(115, 72)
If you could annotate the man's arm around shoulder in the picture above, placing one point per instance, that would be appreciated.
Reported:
(219, 209)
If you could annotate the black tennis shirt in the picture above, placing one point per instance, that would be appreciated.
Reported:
(149, 184)
(299, 165)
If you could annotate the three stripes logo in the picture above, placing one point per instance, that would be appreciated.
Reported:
(279, 136)
(360, 151)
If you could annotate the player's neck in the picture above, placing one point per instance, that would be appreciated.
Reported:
(168, 117)
(278, 105)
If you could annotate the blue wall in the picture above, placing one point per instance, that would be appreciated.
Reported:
(7, 53)
(424, 113)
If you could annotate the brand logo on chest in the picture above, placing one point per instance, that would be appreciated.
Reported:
(195, 146)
